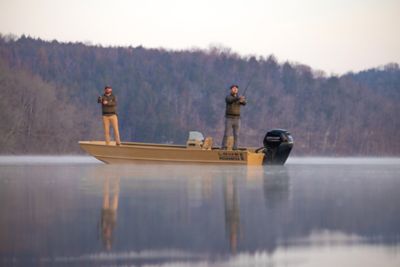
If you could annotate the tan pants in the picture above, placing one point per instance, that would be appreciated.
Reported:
(113, 120)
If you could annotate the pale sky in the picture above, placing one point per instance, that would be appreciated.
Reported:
(335, 36)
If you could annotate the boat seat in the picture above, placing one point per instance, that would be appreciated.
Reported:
(194, 144)
(208, 143)
(195, 140)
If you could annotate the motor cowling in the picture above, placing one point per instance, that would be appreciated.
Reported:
(277, 146)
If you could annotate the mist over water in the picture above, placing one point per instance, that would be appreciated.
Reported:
(76, 211)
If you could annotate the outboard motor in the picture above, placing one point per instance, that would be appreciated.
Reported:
(277, 146)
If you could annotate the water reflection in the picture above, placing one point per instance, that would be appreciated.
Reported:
(154, 215)
(232, 212)
(276, 185)
(109, 209)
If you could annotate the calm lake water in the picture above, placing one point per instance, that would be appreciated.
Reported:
(75, 211)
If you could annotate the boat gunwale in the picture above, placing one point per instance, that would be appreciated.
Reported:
(242, 162)
(166, 146)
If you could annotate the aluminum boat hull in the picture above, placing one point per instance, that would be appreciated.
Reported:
(130, 152)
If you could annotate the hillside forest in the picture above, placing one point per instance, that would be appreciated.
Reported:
(50, 90)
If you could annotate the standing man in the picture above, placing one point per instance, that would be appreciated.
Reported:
(232, 116)
(109, 108)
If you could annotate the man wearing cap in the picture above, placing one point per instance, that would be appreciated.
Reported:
(109, 108)
(232, 116)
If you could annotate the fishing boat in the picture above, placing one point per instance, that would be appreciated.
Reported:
(277, 146)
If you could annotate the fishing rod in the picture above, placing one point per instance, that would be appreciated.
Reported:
(248, 84)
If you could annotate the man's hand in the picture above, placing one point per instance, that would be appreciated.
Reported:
(242, 99)
(105, 102)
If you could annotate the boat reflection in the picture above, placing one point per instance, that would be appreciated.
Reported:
(275, 184)
(201, 189)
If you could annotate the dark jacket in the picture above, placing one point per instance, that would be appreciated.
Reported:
(111, 107)
(233, 106)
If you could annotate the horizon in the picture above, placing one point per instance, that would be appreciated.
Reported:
(335, 37)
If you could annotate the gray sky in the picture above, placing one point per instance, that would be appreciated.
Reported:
(331, 35)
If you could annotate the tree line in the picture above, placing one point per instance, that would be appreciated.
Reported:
(50, 90)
